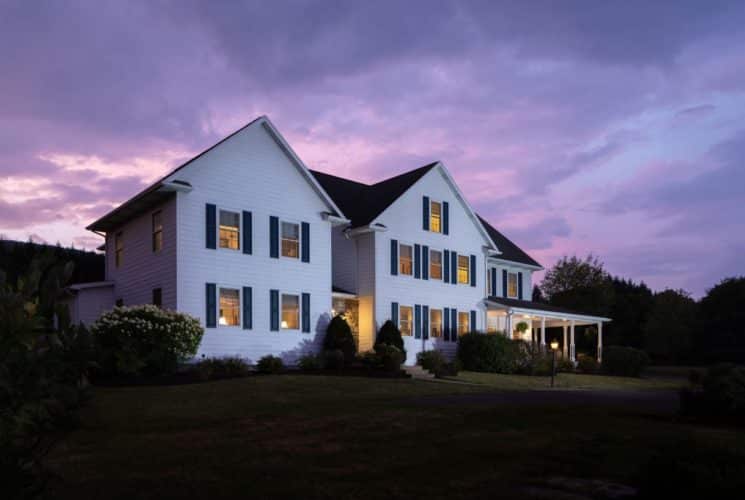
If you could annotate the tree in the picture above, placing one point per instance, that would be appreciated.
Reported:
(537, 295)
(577, 284)
(721, 332)
(339, 336)
(669, 328)
(629, 310)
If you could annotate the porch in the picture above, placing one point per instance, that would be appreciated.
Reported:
(506, 315)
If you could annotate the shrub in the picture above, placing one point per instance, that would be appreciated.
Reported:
(587, 364)
(719, 393)
(339, 336)
(489, 353)
(145, 340)
(270, 364)
(389, 334)
(218, 368)
(334, 359)
(390, 357)
(564, 365)
(369, 360)
(624, 361)
(432, 361)
(310, 363)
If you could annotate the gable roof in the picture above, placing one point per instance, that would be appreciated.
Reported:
(160, 190)
(362, 203)
(510, 251)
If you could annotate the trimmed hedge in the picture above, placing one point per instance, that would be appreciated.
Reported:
(488, 353)
(339, 336)
(389, 334)
(624, 361)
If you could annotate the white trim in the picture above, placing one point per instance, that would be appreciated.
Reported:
(548, 314)
(513, 263)
(342, 295)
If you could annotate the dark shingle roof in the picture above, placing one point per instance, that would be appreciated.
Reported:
(509, 250)
(361, 203)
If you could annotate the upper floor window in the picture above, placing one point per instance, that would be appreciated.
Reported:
(463, 320)
(290, 312)
(118, 248)
(463, 263)
(435, 264)
(512, 285)
(435, 323)
(157, 231)
(290, 240)
(405, 319)
(405, 260)
(435, 217)
(229, 306)
(230, 230)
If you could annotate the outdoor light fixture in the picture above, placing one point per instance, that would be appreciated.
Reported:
(554, 348)
(554, 345)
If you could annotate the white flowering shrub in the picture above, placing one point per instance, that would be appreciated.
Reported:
(145, 340)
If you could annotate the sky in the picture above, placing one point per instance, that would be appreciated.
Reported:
(611, 128)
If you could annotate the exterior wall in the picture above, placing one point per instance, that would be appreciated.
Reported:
(404, 222)
(513, 268)
(141, 269)
(250, 172)
(89, 303)
(365, 244)
(344, 260)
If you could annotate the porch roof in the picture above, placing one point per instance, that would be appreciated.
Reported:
(541, 310)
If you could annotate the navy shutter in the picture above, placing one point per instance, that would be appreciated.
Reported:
(211, 305)
(446, 262)
(306, 313)
(445, 218)
(520, 286)
(247, 308)
(454, 325)
(247, 232)
(210, 231)
(446, 324)
(425, 262)
(425, 213)
(472, 324)
(493, 281)
(425, 322)
(472, 270)
(417, 321)
(417, 261)
(305, 243)
(273, 237)
(454, 268)
(394, 257)
(504, 282)
(394, 313)
(274, 310)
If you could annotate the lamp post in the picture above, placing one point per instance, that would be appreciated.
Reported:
(554, 348)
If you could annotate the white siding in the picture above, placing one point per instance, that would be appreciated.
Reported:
(527, 275)
(344, 260)
(89, 303)
(365, 244)
(250, 172)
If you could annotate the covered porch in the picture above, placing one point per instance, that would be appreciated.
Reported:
(505, 315)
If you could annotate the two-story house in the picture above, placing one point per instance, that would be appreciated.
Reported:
(265, 251)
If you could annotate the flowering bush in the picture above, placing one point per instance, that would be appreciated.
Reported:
(145, 340)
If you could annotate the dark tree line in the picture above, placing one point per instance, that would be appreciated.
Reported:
(670, 325)
(17, 256)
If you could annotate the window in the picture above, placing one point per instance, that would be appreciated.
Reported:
(435, 217)
(229, 307)
(512, 285)
(118, 249)
(290, 312)
(230, 231)
(463, 276)
(157, 297)
(157, 232)
(404, 259)
(435, 323)
(405, 319)
(492, 323)
(463, 326)
(435, 264)
(290, 240)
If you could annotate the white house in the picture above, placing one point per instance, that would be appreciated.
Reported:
(264, 251)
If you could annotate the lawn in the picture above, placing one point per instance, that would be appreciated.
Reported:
(571, 381)
(309, 437)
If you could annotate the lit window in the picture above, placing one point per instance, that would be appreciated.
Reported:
(229, 307)
(512, 285)
(463, 269)
(290, 240)
(435, 264)
(229, 230)
(492, 323)
(435, 323)
(404, 259)
(290, 312)
(435, 217)
(118, 249)
(405, 320)
(157, 232)
(463, 326)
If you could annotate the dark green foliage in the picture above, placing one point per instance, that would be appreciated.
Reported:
(530, 359)
(489, 353)
(670, 326)
(390, 334)
(390, 357)
(624, 361)
(334, 359)
(433, 361)
(220, 368)
(720, 393)
(310, 362)
(145, 340)
(629, 310)
(721, 325)
(270, 364)
(339, 336)
(587, 364)
(16, 259)
(564, 365)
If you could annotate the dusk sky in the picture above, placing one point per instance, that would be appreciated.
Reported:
(616, 128)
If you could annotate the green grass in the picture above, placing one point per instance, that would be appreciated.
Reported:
(313, 437)
(570, 381)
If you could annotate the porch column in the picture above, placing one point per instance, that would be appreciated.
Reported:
(508, 325)
(543, 333)
(572, 353)
(600, 341)
(564, 346)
